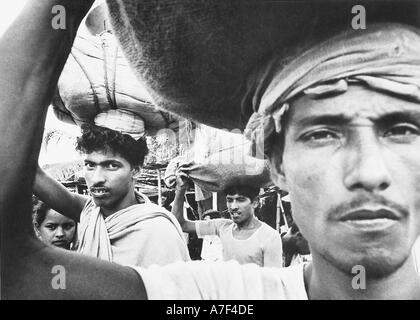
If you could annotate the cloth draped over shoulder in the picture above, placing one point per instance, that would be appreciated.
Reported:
(384, 57)
(97, 232)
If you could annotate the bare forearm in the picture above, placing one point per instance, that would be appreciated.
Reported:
(31, 276)
(178, 205)
(178, 211)
(55, 195)
(32, 55)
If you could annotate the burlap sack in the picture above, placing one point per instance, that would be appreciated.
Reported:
(97, 78)
(217, 160)
(194, 55)
(214, 174)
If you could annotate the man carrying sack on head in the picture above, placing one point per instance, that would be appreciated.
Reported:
(116, 223)
(244, 238)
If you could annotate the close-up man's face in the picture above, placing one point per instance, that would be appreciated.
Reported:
(240, 207)
(351, 164)
(109, 178)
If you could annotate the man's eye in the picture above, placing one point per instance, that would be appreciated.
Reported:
(89, 166)
(402, 131)
(51, 226)
(113, 166)
(319, 136)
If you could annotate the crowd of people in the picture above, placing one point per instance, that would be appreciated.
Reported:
(342, 133)
(242, 237)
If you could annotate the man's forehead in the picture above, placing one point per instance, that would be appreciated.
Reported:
(100, 156)
(357, 102)
(235, 196)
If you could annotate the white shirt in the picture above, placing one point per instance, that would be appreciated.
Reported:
(263, 247)
(212, 248)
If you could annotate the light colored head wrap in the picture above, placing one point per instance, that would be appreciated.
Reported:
(384, 57)
(122, 121)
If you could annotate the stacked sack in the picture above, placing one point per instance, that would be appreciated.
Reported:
(97, 79)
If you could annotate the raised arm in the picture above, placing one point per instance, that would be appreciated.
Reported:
(57, 196)
(32, 55)
(178, 206)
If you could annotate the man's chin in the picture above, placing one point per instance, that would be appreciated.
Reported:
(98, 202)
(101, 202)
(377, 263)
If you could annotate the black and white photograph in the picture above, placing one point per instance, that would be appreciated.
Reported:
(234, 151)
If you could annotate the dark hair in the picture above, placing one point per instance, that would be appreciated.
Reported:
(247, 191)
(96, 138)
(39, 212)
(169, 195)
(213, 214)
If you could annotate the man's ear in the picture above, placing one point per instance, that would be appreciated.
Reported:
(277, 173)
(135, 170)
(256, 203)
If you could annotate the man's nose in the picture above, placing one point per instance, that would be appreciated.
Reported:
(98, 176)
(234, 205)
(366, 167)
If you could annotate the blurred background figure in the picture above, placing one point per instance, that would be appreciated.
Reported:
(53, 228)
(212, 246)
(295, 247)
(168, 197)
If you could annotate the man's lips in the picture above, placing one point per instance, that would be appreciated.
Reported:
(99, 192)
(235, 214)
(371, 214)
(371, 220)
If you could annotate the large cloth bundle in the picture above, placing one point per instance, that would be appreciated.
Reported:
(217, 160)
(216, 174)
(97, 78)
(195, 56)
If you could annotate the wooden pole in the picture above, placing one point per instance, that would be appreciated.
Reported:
(214, 194)
(278, 212)
(159, 188)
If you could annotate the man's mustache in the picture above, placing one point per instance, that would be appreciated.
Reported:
(364, 201)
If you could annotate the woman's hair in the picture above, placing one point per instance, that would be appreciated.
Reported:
(39, 212)
(96, 138)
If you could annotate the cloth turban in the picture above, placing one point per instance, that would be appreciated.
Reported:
(122, 121)
(384, 57)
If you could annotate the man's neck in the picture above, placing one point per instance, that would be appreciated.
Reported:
(324, 281)
(129, 200)
(249, 224)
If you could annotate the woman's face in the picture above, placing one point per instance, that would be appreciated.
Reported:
(57, 230)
